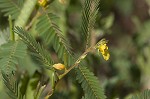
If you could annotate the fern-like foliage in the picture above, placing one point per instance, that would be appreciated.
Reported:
(90, 84)
(85, 96)
(10, 7)
(143, 95)
(20, 2)
(89, 13)
(9, 55)
(11, 83)
(53, 34)
(38, 50)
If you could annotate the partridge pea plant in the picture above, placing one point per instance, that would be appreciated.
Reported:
(29, 70)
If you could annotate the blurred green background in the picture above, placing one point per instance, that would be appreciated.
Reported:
(126, 24)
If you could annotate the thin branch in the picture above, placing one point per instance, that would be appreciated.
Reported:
(78, 61)
(33, 20)
(12, 35)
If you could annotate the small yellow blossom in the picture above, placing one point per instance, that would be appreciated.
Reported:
(59, 66)
(103, 48)
(43, 2)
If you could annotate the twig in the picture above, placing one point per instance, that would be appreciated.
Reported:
(78, 61)
(33, 20)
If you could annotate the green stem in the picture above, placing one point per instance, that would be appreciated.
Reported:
(39, 91)
(78, 61)
(12, 35)
(33, 20)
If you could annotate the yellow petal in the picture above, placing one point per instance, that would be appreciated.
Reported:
(59, 66)
(106, 56)
(103, 48)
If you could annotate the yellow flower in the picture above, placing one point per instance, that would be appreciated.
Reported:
(43, 2)
(103, 48)
(59, 66)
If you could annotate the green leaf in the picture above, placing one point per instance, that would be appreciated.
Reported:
(85, 96)
(12, 85)
(143, 95)
(38, 50)
(90, 84)
(20, 2)
(9, 7)
(52, 34)
(89, 14)
(9, 55)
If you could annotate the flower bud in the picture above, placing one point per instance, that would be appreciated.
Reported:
(59, 66)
